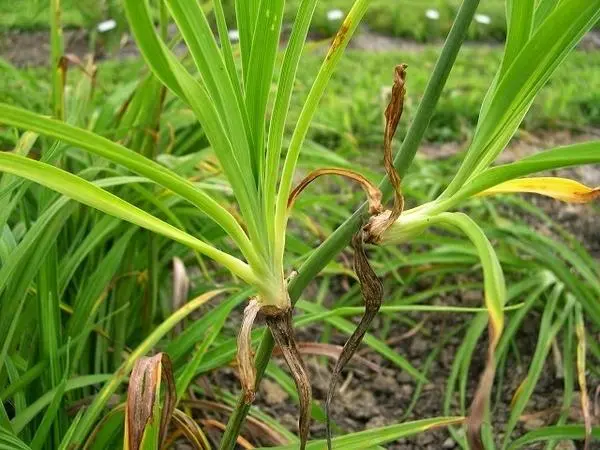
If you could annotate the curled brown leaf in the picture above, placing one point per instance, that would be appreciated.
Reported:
(372, 191)
(245, 357)
(393, 113)
(279, 322)
(372, 292)
(144, 385)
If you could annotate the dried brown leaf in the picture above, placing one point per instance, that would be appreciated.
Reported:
(331, 351)
(279, 322)
(482, 394)
(245, 357)
(393, 113)
(372, 191)
(141, 397)
(372, 292)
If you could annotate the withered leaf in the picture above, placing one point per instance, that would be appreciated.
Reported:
(393, 113)
(372, 292)
(372, 191)
(144, 383)
(280, 323)
(245, 357)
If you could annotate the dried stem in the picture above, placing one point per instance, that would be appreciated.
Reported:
(280, 323)
(372, 292)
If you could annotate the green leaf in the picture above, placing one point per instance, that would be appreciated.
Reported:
(202, 46)
(246, 13)
(234, 159)
(8, 441)
(259, 75)
(566, 432)
(528, 73)
(556, 158)
(26, 416)
(327, 69)
(113, 383)
(289, 68)
(91, 195)
(547, 333)
(377, 436)
(43, 430)
(143, 166)
(519, 28)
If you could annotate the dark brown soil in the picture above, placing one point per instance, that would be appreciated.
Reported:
(369, 399)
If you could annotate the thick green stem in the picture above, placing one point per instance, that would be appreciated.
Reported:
(340, 238)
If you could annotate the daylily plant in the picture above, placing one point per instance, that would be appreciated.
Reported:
(245, 125)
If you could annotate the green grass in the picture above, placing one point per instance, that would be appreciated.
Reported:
(402, 18)
(34, 14)
(350, 115)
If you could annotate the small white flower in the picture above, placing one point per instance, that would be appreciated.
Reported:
(107, 25)
(335, 15)
(234, 35)
(432, 14)
(482, 18)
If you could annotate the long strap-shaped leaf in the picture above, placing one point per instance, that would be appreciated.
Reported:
(519, 26)
(85, 192)
(535, 63)
(210, 64)
(336, 50)
(260, 74)
(378, 436)
(235, 161)
(289, 68)
(133, 161)
(495, 298)
(246, 13)
(109, 388)
(556, 158)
